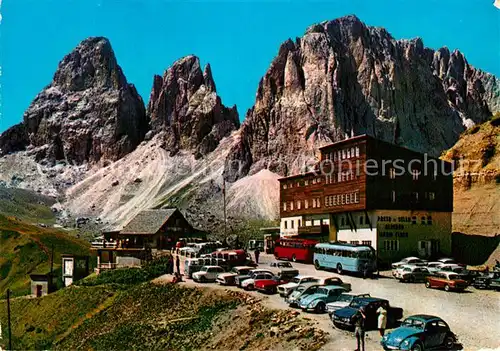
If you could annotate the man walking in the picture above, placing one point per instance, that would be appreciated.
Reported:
(359, 321)
(178, 264)
(257, 253)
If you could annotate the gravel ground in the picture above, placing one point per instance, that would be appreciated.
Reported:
(473, 315)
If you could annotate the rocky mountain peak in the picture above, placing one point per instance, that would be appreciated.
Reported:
(185, 107)
(88, 113)
(92, 64)
(344, 78)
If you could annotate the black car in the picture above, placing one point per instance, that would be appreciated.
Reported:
(485, 280)
(342, 318)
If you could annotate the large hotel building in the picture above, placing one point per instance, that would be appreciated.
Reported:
(366, 191)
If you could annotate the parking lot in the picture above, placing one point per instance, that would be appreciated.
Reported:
(473, 315)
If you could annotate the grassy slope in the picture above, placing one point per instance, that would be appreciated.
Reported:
(25, 249)
(26, 205)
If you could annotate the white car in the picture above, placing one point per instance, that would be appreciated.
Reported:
(286, 289)
(398, 272)
(447, 260)
(207, 274)
(228, 278)
(454, 268)
(249, 284)
(414, 261)
(434, 267)
(343, 301)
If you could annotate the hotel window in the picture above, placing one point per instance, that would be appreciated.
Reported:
(314, 180)
(414, 220)
(284, 206)
(357, 151)
(391, 245)
(392, 173)
(300, 223)
(348, 153)
(347, 198)
(429, 220)
(366, 242)
(284, 186)
(393, 196)
(314, 203)
(432, 196)
(306, 182)
(335, 156)
(352, 152)
(352, 198)
(306, 203)
(291, 205)
(356, 197)
(298, 205)
(343, 154)
(343, 199)
(291, 224)
(339, 176)
(318, 202)
(422, 220)
(415, 174)
(286, 224)
(334, 200)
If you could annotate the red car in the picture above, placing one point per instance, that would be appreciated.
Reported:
(269, 286)
(447, 281)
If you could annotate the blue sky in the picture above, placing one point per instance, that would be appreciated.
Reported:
(238, 38)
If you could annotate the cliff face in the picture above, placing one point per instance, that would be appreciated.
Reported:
(343, 78)
(185, 107)
(87, 113)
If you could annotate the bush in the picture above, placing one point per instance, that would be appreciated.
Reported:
(129, 276)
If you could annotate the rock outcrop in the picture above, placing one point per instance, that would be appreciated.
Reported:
(184, 105)
(343, 78)
(88, 112)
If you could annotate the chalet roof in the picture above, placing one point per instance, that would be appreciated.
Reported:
(148, 221)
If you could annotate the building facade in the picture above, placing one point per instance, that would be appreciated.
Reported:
(366, 191)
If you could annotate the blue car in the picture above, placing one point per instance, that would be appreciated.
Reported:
(418, 333)
(324, 294)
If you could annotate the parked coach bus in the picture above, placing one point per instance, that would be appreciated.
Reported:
(344, 257)
(295, 249)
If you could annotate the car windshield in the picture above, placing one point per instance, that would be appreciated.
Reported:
(345, 298)
(358, 303)
(322, 291)
(452, 276)
(413, 323)
(204, 269)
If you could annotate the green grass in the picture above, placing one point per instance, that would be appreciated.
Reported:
(36, 323)
(25, 249)
(26, 205)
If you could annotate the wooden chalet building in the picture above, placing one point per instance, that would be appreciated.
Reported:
(150, 231)
(366, 191)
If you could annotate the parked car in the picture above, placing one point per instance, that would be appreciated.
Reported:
(452, 267)
(335, 281)
(239, 279)
(412, 274)
(207, 274)
(342, 318)
(418, 333)
(280, 264)
(269, 286)
(286, 289)
(344, 300)
(249, 284)
(409, 261)
(301, 291)
(447, 281)
(485, 280)
(447, 260)
(434, 267)
(228, 278)
(317, 302)
(397, 272)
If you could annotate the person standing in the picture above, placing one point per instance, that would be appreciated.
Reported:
(359, 321)
(366, 270)
(178, 264)
(382, 319)
(257, 254)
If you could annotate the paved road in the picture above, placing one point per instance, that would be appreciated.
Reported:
(473, 315)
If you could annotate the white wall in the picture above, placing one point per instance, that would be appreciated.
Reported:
(289, 230)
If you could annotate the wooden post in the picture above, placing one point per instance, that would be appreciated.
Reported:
(8, 319)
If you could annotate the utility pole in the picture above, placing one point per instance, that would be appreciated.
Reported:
(8, 319)
(224, 199)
